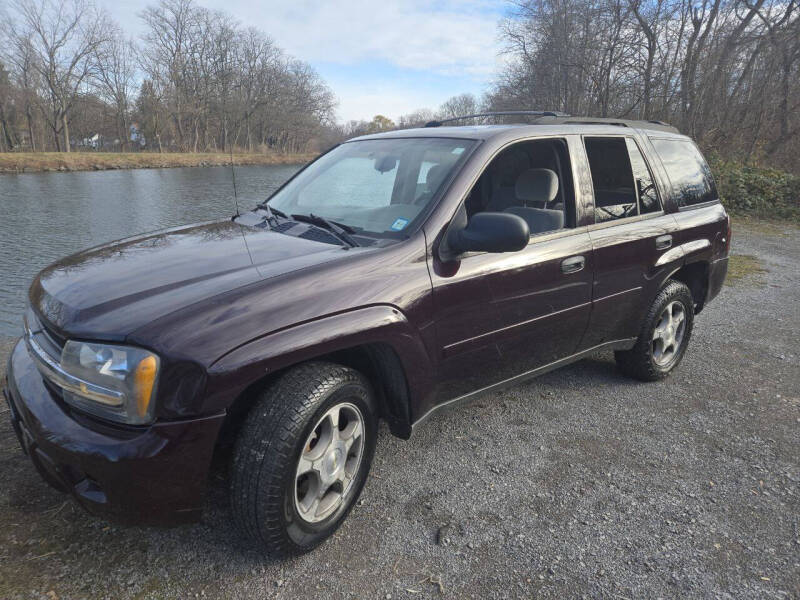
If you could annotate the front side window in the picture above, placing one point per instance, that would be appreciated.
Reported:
(687, 170)
(376, 187)
(623, 183)
(531, 179)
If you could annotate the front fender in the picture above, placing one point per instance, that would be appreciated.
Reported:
(240, 368)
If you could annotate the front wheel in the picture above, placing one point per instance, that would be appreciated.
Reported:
(302, 457)
(664, 337)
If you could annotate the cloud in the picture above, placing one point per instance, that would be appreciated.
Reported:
(378, 56)
(448, 37)
(363, 102)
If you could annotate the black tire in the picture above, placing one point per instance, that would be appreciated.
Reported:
(268, 449)
(639, 362)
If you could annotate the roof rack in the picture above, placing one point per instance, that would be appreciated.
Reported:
(637, 124)
(552, 117)
(502, 113)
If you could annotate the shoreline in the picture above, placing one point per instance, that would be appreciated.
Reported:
(62, 162)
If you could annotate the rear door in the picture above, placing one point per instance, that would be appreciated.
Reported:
(703, 223)
(630, 232)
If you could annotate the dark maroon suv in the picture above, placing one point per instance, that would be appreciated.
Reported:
(395, 275)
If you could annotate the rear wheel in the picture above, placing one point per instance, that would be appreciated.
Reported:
(664, 337)
(302, 457)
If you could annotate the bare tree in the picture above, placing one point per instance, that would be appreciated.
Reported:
(6, 131)
(115, 80)
(783, 33)
(261, 66)
(725, 71)
(61, 39)
(418, 118)
(217, 79)
(463, 104)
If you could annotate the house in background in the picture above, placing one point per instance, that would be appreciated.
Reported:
(137, 137)
(94, 142)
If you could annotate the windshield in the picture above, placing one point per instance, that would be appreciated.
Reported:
(378, 187)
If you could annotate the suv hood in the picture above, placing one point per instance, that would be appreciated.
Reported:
(109, 291)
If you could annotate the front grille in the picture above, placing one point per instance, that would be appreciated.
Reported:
(44, 335)
(57, 340)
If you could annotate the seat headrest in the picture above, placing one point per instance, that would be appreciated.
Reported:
(537, 185)
(434, 177)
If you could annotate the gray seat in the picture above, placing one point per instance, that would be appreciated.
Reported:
(539, 220)
(433, 179)
(502, 199)
(538, 186)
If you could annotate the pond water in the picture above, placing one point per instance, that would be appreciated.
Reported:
(45, 216)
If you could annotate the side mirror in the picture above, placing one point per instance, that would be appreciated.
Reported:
(487, 232)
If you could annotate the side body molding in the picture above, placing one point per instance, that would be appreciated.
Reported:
(385, 324)
(682, 251)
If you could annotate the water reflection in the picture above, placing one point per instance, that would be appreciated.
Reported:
(46, 216)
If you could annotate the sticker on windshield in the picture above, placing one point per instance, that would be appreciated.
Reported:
(399, 224)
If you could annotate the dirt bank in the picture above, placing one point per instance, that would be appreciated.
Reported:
(30, 162)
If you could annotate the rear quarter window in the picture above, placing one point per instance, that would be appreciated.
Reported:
(688, 171)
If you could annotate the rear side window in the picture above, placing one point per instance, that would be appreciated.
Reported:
(623, 184)
(645, 186)
(688, 171)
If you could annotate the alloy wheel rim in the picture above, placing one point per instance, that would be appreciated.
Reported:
(668, 334)
(329, 462)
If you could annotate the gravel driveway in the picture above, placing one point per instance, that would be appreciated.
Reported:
(579, 484)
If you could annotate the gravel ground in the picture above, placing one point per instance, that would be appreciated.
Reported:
(579, 484)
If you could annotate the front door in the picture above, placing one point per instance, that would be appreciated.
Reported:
(502, 315)
(543, 300)
(465, 325)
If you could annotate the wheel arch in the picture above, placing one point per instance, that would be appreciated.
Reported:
(695, 276)
(377, 341)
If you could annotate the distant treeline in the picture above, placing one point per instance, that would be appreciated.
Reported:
(196, 80)
(726, 72)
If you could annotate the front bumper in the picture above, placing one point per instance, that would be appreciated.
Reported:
(154, 475)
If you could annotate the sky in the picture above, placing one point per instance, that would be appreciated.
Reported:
(387, 57)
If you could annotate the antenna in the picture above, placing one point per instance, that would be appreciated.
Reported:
(233, 177)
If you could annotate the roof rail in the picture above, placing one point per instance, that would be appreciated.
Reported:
(502, 113)
(588, 121)
(634, 123)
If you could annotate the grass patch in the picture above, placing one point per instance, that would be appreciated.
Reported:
(26, 162)
(745, 223)
(745, 268)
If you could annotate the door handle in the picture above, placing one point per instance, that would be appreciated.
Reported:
(663, 242)
(573, 264)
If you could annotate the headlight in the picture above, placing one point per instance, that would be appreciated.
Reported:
(120, 381)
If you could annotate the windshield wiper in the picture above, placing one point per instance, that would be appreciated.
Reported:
(271, 214)
(339, 230)
(274, 211)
